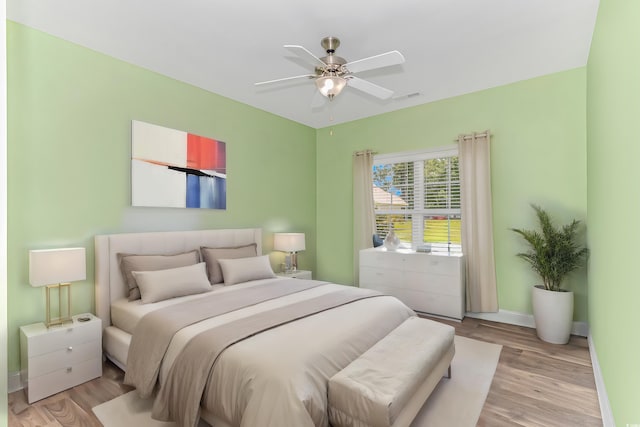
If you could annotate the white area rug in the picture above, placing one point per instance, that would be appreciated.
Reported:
(129, 410)
(458, 401)
(455, 402)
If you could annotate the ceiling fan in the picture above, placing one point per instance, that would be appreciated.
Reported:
(333, 73)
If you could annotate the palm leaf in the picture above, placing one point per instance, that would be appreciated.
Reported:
(553, 252)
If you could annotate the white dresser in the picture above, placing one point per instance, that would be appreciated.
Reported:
(428, 283)
(60, 357)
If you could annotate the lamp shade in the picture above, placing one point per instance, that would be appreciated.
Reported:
(49, 266)
(288, 242)
(330, 86)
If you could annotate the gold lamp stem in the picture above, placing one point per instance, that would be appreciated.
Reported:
(61, 319)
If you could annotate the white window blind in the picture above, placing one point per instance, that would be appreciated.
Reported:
(418, 196)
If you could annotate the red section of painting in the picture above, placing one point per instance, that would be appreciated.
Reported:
(206, 153)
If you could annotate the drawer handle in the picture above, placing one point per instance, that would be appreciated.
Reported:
(69, 349)
(69, 369)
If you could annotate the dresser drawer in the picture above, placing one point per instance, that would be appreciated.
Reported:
(411, 280)
(62, 337)
(425, 302)
(60, 359)
(412, 261)
(62, 379)
(439, 264)
(441, 305)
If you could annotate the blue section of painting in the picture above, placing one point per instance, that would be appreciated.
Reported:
(193, 191)
(220, 193)
(206, 192)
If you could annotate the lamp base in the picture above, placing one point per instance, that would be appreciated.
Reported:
(290, 263)
(63, 316)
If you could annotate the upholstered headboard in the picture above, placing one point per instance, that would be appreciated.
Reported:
(109, 283)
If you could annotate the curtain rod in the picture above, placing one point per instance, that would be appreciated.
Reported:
(363, 152)
(484, 134)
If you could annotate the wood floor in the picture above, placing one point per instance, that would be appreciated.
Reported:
(536, 384)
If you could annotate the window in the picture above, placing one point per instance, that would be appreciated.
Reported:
(418, 196)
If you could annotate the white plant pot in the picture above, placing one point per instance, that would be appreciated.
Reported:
(553, 314)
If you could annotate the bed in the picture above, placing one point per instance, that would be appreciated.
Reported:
(275, 377)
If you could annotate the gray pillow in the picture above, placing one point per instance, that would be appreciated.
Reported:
(132, 262)
(245, 269)
(160, 285)
(212, 255)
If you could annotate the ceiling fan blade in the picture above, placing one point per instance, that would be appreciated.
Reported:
(285, 79)
(383, 60)
(368, 87)
(303, 53)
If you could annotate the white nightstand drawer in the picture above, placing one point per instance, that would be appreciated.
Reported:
(60, 359)
(43, 340)
(63, 379)
(298, 274)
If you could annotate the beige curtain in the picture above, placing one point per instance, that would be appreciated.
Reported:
(363, 216)
(477, 223)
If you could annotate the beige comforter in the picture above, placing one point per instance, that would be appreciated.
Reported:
(154, 333)
(279, 377)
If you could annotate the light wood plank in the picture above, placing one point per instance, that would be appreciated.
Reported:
(536, 383)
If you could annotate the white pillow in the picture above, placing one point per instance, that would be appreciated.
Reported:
(212, 255)
(159, 285)
(244, 269)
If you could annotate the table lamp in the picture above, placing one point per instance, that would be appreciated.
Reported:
(291, 243)
(55, 269)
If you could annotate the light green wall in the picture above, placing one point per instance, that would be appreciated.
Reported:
(70, 112)
(613, 101)
(538, 155)
(3, 225)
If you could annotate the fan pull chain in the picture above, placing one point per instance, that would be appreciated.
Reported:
(330, 121)
(330, 110)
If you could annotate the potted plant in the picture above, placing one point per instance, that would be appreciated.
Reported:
(554, 252)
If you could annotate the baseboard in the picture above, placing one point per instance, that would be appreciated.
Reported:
(523, 319)
(13, 382)
(603, 398)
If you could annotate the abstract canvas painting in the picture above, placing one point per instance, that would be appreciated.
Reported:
(172, 168)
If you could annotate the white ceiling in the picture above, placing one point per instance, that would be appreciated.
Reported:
(452, 47)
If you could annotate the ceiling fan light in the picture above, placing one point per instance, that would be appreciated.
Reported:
(330, 86)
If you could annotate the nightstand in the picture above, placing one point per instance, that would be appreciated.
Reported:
(298, 274)
(60, 357)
